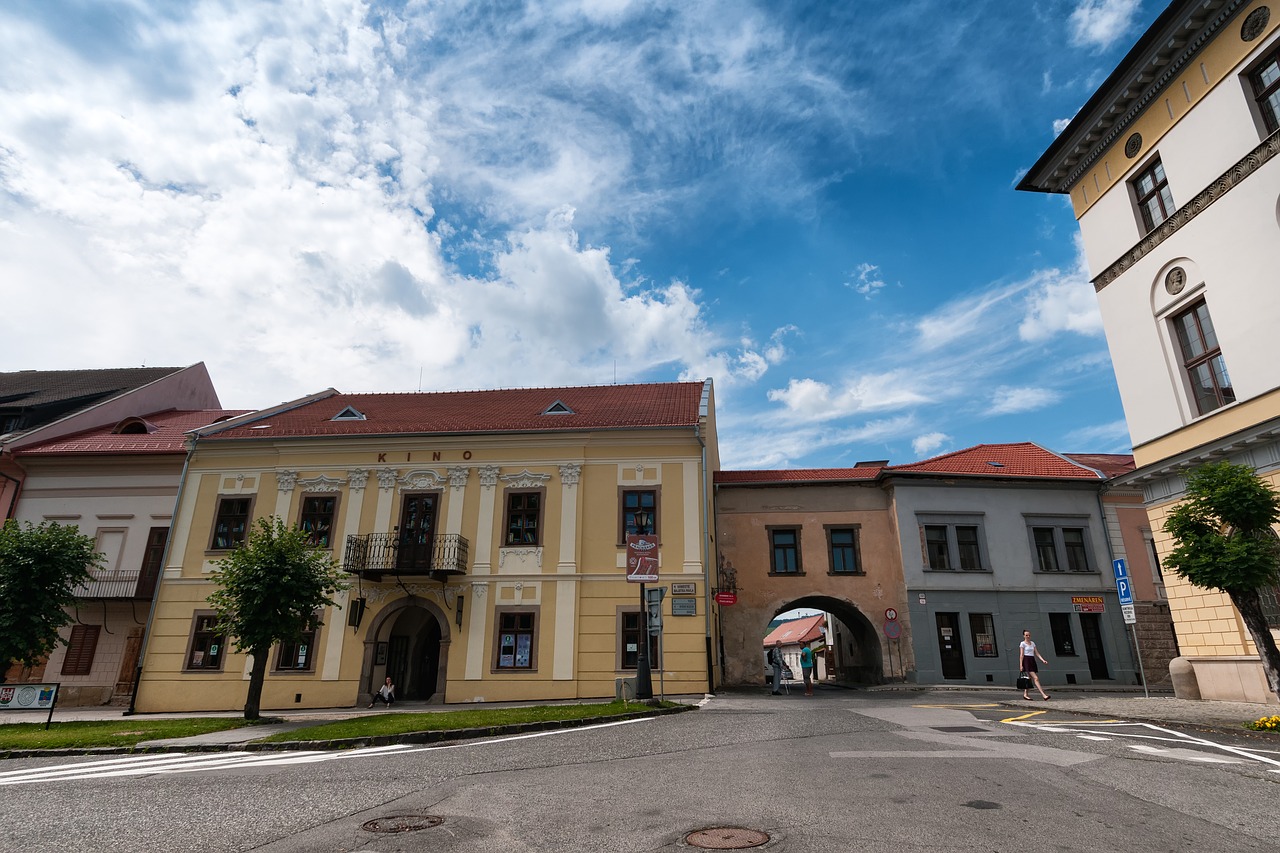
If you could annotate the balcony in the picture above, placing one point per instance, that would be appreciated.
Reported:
(375, 555)
(118, 584)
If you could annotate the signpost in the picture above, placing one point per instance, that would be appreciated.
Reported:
(1125, 591)
(642, 568)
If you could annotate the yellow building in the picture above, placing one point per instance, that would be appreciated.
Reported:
(1173, 173)
(484, 533)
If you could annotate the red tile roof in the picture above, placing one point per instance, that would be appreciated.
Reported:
(654, 405)
(802, 630)
(167, 434)
(797, 475)
(1000, 460)
(1110, 464)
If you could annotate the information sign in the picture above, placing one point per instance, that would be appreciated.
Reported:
(684, 607)
(1088, 604)
(727, 599)
(1126, 591)
(1130, 617)
(642, 558)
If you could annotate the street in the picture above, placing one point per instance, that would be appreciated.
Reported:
(899, 771)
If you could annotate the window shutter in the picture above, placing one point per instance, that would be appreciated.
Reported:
(79, 657)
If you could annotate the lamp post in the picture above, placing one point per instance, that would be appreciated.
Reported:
(644, 676)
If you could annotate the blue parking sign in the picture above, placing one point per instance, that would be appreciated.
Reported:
(1126, 592)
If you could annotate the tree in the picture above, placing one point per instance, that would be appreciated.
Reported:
(40, 568)
(1225, 541)
(269, 590)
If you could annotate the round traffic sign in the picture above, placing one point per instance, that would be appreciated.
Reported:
(893, 629)
(891, 614)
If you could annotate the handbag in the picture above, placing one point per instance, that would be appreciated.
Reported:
(1024, 681)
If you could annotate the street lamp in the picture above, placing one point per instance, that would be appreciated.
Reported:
(643, 520)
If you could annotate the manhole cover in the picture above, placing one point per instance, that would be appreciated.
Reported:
(726, 838)
(403, 823)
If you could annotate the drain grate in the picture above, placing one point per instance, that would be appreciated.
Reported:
(726, 838)
(403, 823)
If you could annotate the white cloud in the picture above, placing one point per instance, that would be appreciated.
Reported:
(868, 281)
(1112, 437)
(1098, 23)
(1060, 124)
(1061, 302)
(925, 445)
(1008, 400)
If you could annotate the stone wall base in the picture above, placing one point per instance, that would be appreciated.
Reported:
(1229, 679)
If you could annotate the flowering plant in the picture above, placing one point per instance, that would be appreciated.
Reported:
(1266, 724)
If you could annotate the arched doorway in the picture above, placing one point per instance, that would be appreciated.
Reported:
(853, 651)
(408, 640)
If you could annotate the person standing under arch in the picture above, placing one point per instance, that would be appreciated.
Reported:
(1029, 654)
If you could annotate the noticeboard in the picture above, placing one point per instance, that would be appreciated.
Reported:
(684, 607)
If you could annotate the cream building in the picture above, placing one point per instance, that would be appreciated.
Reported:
(1172, 171)
(483, 533)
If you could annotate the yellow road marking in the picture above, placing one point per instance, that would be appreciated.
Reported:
(987, 705)
(1023, 717)
(1056, 722)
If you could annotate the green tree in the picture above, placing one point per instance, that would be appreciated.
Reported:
(1225, 541)
(269, 589)
(40, 568)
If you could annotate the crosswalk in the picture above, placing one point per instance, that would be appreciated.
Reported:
(180, 762)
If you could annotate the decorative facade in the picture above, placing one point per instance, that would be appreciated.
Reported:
(1173, 177)
(483, 534)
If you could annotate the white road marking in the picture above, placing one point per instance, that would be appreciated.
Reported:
(157, 763)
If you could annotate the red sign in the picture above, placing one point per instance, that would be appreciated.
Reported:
(728, 599)
(642, 558)
(891, 614)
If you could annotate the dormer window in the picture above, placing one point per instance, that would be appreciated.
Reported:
(557, 408)
(350, 413)
(134, 426)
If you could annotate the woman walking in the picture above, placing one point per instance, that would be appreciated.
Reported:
(1029, 655)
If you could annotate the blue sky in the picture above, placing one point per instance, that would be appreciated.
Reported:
(811, 203)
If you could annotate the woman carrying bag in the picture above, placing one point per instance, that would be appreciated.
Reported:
(1030, 672)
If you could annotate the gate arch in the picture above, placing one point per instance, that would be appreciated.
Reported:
(417, 637)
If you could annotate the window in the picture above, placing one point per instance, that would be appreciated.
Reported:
(515, 640)
(524, 511)
(1151, 192)
(79, 657)
(231, 523)
(1046, 549)
(1202, 359)
(785, 546)
(317, 519)
(955, 544)
(631, 631)
(983, 630)
(936, 548)
(1060, 626)
(845, 558)
(639, 512)
(1266, 91)
(1060, 545)
(207, 643)
(300, 654)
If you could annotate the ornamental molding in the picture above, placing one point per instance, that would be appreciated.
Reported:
(1172, 69)
(357, 479)
(1232, 178)
(286, 480)
(488, 476)
(526, 479)
(386, 479)
(458, 475)
(446, 596)
(321, 484)
(479, 588)
(522, 554)
(570, 473)
(422, 479)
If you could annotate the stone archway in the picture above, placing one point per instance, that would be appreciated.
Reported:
(408, 640)
(859, 660)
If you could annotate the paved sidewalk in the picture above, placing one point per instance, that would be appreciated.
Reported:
(1157, 709)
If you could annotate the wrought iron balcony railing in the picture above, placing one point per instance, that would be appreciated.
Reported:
(373, 555)
(118, 584)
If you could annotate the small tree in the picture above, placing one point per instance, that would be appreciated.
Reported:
(269, 589)
(40, 568)
(1225, 541)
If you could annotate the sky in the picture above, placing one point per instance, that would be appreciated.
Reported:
(811, 203)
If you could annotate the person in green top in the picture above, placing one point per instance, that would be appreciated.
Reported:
(806, 667)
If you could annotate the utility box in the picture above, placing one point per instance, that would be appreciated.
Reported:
(624, 688)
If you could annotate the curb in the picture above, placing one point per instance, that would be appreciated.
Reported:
(349, 743)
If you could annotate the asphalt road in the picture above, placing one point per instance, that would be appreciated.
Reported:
(899, 772)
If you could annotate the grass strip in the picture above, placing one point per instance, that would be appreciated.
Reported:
(84, 734)
(397, 724)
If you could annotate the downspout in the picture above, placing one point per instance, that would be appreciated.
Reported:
(706, 550)
(13, 501)
(164, 562)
